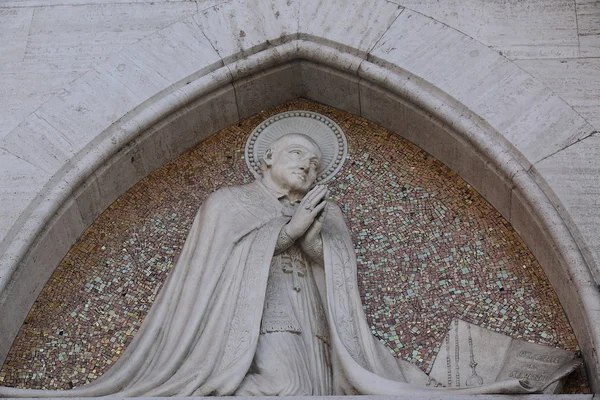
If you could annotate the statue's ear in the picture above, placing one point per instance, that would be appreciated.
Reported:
(268, 157)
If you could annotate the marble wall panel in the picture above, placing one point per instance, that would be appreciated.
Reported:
(357, 32)
(577, 81)
(41, 3)
(77, 38)
(64, 41)
(472, 74)
(518, 29)
(545, 127)
(237, 29)
(24, 88)
(20, 183)
(440, 54)
(176, 53)
(87, 107)
(38, 143)
(573, 175)
(331, 87)
(268, 88)
(15, 23)
(588, 23)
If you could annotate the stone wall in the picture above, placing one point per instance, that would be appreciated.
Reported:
(520, 145)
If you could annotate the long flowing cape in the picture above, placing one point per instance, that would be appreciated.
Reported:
(200, 336)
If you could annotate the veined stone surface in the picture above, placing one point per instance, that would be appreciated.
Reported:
(576, 81)
(15, 24)
(359, 29)
(51, 45)
(20, 182)
(458, 66)
(518, 29)
(235, 28)
(85, 119)
(588, 24)
(574, 174)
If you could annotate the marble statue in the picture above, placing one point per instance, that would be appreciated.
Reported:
(263, 300)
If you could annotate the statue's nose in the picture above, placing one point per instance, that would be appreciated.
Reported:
(304, 165)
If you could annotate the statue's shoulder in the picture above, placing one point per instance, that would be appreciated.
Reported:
(241, 192)
(252, 198)
(230, 192)
(335, 216)
(222, 199)
(334, 209)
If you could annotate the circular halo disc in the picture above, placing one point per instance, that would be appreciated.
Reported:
(324, 131)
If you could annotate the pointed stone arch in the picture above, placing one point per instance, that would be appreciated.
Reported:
(499, 128)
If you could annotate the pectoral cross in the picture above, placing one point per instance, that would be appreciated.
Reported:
(296, 272)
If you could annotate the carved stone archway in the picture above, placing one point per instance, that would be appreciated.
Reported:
(481, 115)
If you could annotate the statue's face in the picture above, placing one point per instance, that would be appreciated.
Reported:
(294, 164)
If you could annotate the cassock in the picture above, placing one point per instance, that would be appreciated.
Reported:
(202, 334)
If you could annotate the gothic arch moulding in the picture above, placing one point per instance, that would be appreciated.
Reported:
(498, 127)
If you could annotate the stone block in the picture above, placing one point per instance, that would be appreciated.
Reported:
(25, 284)
(38, 143)
(570, 177)
(23, 88)
(331, 87)
(439, 54)
(20, 183)
(52, 47)
(87, 107)
(469, 73)
(576, 81)
(522, 29)
(15, 24)
(357, 32)
(268, 88)
(588, 24)
(545, 126)
(238, 29)
(169, 59)
(100, 29)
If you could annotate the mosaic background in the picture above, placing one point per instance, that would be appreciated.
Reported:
(429, 249)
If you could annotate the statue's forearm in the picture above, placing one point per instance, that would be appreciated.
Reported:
(284, 241)
(314, 250)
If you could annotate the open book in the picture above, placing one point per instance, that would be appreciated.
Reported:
(472, 356)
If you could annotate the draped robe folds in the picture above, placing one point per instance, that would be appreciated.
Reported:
(201, 334)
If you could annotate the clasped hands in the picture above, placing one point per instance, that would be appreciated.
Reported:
(307, 222)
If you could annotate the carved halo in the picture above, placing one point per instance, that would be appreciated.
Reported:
(324, 131)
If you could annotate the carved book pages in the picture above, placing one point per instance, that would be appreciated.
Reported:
(472, 356)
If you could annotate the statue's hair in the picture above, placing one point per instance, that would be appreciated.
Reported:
(263, 165)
